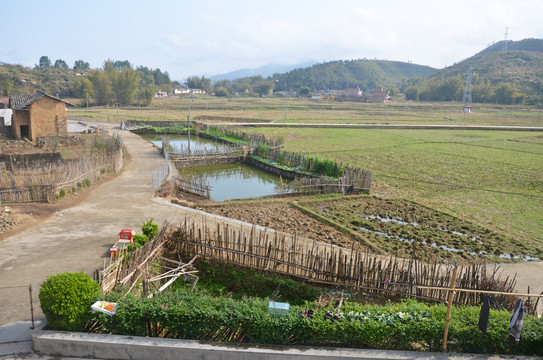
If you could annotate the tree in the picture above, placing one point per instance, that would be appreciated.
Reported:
(44, 62)
(120, 65)
(61, 64)
(506, 93)
(263, 88)
(202, 83)
(124, 84)
(146, 93)
(101, 88)
(304, 90)
(221, 92)
(81, 65)
(412, 93)
(82, 88)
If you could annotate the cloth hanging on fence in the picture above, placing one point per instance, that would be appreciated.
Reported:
(484, 315)
(517, 320)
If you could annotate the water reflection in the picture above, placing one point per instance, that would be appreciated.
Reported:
(179, 142)
(236, 181)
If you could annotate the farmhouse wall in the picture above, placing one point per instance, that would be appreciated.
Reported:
(13, 162)
(20, 118)
(48, 118)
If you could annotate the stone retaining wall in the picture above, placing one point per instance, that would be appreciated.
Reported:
(13, 162)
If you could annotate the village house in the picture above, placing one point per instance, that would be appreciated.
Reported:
(378, 95)
(161, 94)
(36, 115)
(353, 92)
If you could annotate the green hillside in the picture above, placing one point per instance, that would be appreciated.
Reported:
(365, 74)
(16, 79)
(498, 76)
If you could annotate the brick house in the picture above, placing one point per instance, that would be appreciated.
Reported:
(36, 115)
(379, 95)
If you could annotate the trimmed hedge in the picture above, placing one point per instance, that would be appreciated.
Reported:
(66, 298)
(407, 326)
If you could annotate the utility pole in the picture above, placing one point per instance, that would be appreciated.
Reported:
(188, 124)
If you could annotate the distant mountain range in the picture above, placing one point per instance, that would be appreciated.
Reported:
(264, 71)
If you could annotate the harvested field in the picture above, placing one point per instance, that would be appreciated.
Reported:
(281, 216)
(394, 226)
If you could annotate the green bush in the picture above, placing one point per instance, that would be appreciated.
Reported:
(62, 192)
(66, 298)
(79, 184)
(409, 325)
(87, 182)
(73, 189)
(149, 229)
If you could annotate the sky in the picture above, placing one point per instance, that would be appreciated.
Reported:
(210, 37)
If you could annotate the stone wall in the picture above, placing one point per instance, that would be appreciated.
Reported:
(13, 162)
(50, 142)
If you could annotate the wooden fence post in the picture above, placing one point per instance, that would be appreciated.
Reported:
(449, 308)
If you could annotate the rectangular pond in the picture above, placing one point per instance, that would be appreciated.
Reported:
(236, 181)
(227, 181)
(181, 142)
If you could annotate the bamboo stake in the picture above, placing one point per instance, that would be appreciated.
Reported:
(449, 308)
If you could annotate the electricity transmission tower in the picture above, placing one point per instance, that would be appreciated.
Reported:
(505, 41)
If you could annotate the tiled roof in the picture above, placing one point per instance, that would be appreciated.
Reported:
(20, 101)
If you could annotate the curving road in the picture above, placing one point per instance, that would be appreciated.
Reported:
(79, 238)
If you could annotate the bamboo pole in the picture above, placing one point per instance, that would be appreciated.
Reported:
(479, 291)
(449, 308)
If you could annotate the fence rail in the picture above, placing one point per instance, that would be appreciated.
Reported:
(41, 185)
(318, 262)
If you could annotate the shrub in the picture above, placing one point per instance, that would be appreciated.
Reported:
(149, 229)
(66, 299)
(62, 192)
(73, 189)
(79, 184)
(87, 182)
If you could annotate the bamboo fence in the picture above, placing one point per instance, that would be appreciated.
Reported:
(131, 266)
(42, 185)
(318, 262)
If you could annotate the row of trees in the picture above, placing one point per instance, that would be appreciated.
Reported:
(118, 82)
(254, 84)
(45, 63)
(452, 89)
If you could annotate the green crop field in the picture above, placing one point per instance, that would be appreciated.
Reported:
(491, 178)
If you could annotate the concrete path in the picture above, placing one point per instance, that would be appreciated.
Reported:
(79, 238)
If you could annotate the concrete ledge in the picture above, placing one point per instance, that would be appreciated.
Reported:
(103, 346)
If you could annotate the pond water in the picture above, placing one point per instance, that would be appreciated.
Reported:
(179, 142)
(236, 181)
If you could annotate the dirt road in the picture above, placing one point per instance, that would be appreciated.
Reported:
(79, 238)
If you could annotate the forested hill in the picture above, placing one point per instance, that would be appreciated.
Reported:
(522, 45)
(365, 74)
